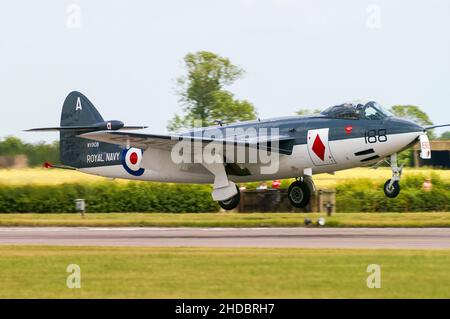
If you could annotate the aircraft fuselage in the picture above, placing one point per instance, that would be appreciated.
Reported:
(322, 144)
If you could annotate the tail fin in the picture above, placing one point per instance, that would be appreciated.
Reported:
(79, 116)
(79, 112)
(77, 152)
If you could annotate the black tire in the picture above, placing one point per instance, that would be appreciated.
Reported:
(299, 194)
(231, 203)
(391, 192)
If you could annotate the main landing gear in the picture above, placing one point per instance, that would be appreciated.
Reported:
(232, 202)
(299, 192)
(299, 195)
(392, 186)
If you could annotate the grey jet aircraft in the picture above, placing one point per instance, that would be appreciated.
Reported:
(341, 137)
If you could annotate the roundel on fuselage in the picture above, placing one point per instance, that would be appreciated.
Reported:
(131, 160)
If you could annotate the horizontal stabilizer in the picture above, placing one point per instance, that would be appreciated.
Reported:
(102, 126)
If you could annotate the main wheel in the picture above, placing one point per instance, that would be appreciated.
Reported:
(299, 194)
(392, 191)
(231, 203)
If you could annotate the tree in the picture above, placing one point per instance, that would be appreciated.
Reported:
(12, 146)
(226, 108)
(202, 95)
(445, 136)
(414, 113)
(307, 112)
(37, 154)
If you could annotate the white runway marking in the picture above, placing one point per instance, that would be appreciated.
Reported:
(411, 238)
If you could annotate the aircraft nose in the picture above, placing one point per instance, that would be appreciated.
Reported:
(406, 126)
(414, 127)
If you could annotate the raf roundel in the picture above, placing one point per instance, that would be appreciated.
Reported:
(131, 158)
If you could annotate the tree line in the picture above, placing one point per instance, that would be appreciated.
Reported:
(37, 154)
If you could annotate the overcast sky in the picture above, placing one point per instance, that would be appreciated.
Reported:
(125, 55)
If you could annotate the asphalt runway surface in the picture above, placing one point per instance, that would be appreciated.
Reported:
(430, 238)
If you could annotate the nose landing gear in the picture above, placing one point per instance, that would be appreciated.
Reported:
(392, 186)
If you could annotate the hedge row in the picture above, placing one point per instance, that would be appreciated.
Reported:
(364, 195)
(360, 195)
(108, 197)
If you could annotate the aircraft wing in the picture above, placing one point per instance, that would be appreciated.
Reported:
(166, 142)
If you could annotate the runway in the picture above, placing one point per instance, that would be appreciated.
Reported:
(430, 238)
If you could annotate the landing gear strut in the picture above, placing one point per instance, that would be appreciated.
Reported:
(232, 202)
(392, 186)
(299, 193)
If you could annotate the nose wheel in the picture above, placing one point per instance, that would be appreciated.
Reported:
(299, 194)
(392, 186)
(391, 189)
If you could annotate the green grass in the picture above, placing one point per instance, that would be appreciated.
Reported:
(40, 272)
(226, 220)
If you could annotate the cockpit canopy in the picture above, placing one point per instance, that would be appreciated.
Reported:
(357, 110)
